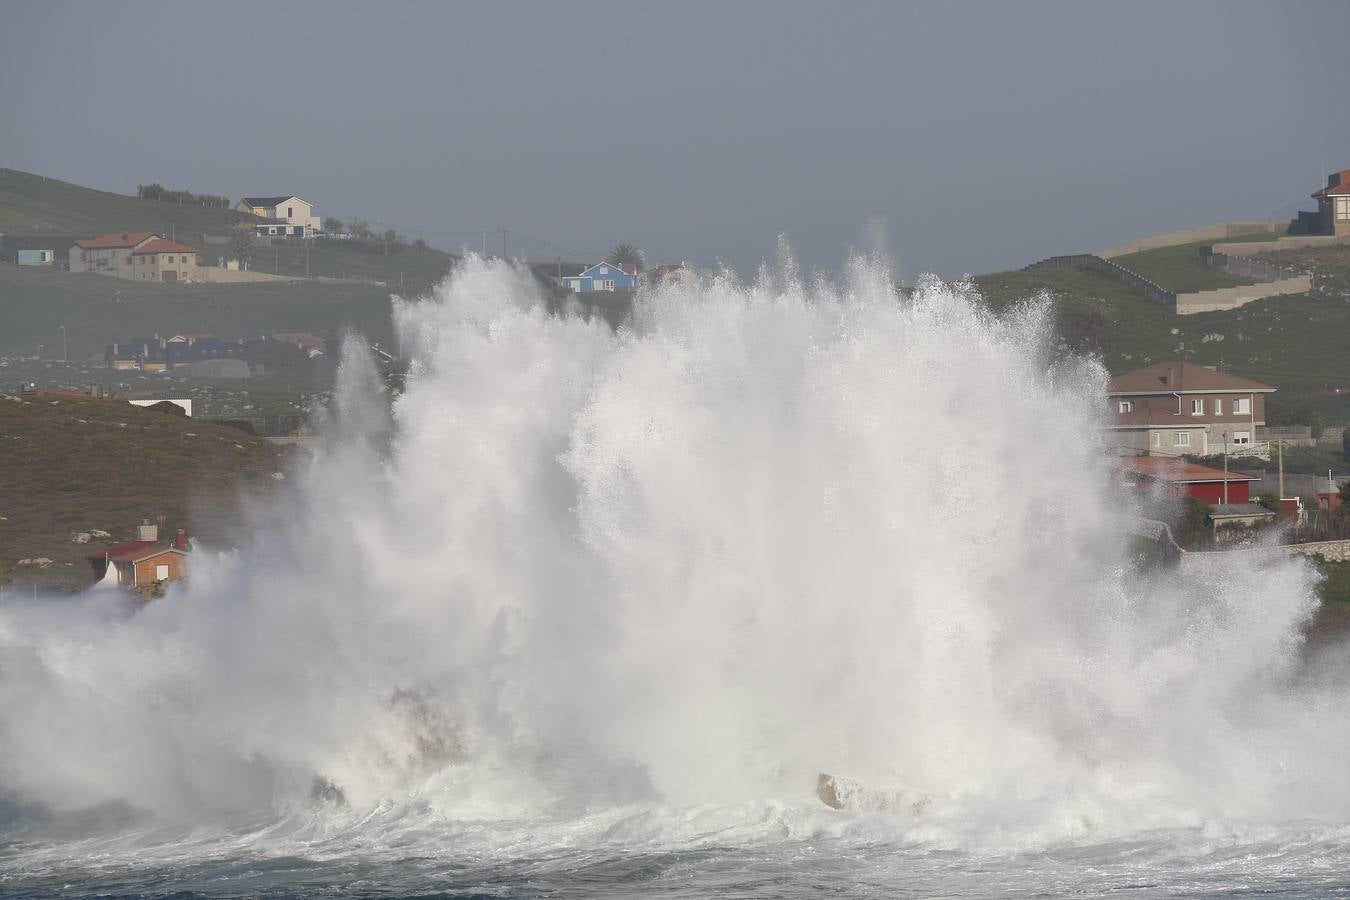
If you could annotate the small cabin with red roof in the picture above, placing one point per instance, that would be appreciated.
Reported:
(1184, 478)
(143, 562)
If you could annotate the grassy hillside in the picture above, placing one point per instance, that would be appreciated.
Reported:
(1297, 343)
(404, 269)
(32, 204)
(1179, 269)
(74, 466)
(98, 310)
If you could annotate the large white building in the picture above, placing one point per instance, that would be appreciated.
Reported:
(287, 216)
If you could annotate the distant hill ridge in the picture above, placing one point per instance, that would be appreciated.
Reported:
(37, 212)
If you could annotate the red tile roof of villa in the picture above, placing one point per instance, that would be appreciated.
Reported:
(162, 246)
(1176, 471)
(1340, 189)
(1179, 378)
(116, 240)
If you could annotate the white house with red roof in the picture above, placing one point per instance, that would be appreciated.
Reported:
(1181, 408)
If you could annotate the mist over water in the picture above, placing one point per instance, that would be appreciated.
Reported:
(577, 589)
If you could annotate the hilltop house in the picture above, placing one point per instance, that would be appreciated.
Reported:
(285, 215)
(142, 562)
(602, 276)
(135, 255)
(1333, 204)
(1176, 408)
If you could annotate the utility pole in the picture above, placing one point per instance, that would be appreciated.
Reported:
(308, 242)
(483, 252)
(503, 243)
(1225, 468)
(1280, 446)
(65, 356)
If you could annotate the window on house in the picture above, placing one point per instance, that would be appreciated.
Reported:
(1127, 406)
(1218, 406)
(1197, 407)
(1156, 439)
(1242, 406)
(1343, 209)
(290, 212)
(1183, 439)
(1242, 437)
(161, 573)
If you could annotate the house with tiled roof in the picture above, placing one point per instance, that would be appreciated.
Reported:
(164, 260)
(108, 254)
(136, 255)
(143, 562)
(1181, 408)
(1333, 204)
(286, 215)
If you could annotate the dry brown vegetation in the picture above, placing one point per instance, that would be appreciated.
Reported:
(75, 466)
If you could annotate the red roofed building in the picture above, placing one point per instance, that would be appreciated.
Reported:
(1333, 204)
(108, 254)
(1180, 408)
(139, 255)
(1185, 478)
(142, 562)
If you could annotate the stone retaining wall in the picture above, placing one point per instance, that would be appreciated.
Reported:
(1251, 248)
(1232, 298)
(1204, 233)
(1338, 551)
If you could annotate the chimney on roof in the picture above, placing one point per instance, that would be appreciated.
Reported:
(124, 236)
(1170, 378)
(147, 531)
(180, 540)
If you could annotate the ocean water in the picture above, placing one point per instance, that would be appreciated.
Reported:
(585, 613)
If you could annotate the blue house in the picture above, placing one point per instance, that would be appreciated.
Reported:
(602, 276)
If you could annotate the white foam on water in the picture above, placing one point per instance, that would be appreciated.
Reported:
(581, 588)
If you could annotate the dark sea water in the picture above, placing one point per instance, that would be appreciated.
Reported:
(607, 856)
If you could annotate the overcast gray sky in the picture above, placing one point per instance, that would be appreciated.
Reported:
(987, 135)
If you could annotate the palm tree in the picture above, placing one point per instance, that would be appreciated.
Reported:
(623, 254)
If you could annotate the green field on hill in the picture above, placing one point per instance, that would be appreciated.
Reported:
(1296, 343)
(404, 270)
(32, 206)
(1179, 269)
(98, 310)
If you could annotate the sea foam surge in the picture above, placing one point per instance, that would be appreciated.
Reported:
(578, 588)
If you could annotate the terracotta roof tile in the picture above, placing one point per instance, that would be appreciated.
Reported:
(1175, 471)
(1178, 378)
(162, 246)
(116, 240)
(1341, 189)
